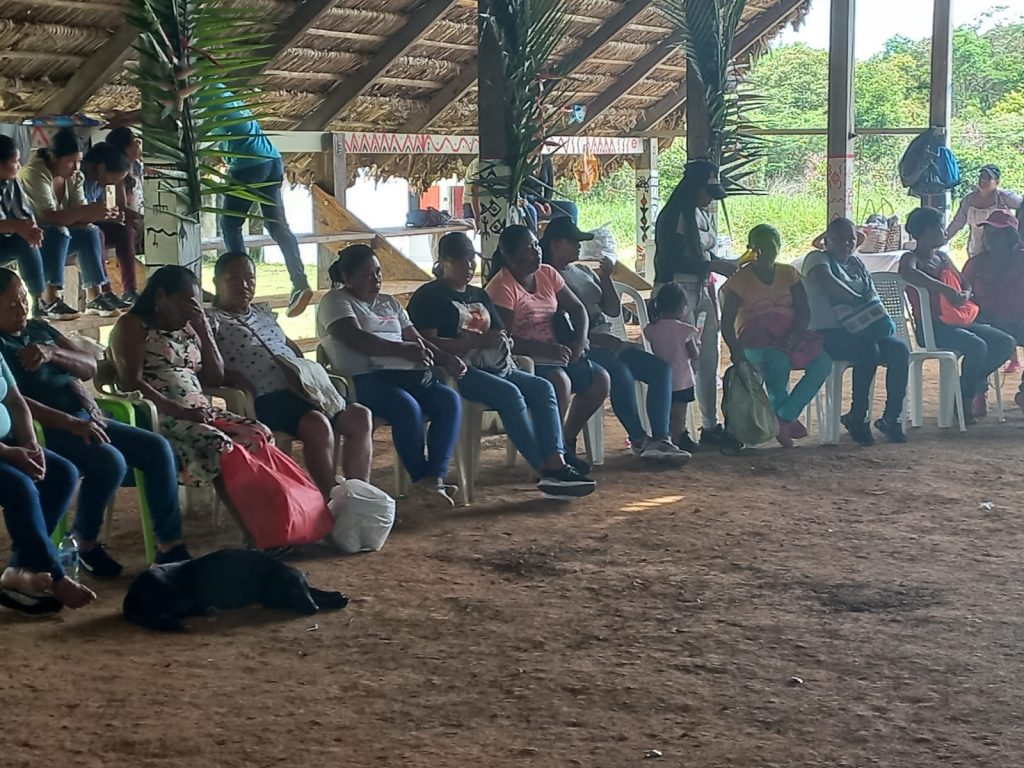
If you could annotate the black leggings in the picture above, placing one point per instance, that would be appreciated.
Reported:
(866, 355)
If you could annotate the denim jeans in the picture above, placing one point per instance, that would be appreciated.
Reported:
(103, 468)
(32, 511)
(271, 173)
(775, 367)
(527, 406)
(625, 368)
(405, 407)
(58, 242)
(866, 355)
(984, 348)
(30, 261)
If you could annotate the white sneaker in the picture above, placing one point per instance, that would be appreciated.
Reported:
(430, 496)
(664, 450)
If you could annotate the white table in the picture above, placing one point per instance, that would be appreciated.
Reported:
(887, 261)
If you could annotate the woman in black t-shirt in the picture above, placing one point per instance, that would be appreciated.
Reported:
(460, 319)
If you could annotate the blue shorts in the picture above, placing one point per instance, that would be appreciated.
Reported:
(581, 373)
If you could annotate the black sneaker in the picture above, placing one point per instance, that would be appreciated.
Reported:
(298, 301)
(687, 443)
(56, 310)
(175, 555)
(116, 301)
(565, 483)
(859, 430)
(30, 605)
(101, 565)
(892, 429)
(129, 298)
(582, 467)
(102, 307)
(715, 437)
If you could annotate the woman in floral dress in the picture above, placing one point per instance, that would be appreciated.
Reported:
(164, 349)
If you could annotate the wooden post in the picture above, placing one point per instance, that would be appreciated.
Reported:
(331, 170)
(940, 111)
(646, 205)
(169, 239)
(493, 123)
(840, 110)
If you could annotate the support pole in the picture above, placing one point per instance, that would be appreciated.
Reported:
(331, 169)
(940, 112)
(840, 109)
(646, 205)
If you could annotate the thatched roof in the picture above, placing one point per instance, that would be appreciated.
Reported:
(44, 44)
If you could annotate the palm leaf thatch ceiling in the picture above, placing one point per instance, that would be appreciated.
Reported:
(368, 65)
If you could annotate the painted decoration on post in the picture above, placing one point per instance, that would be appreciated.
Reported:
(494, 212)
(435, 144)
(840, 186)
(646, 215)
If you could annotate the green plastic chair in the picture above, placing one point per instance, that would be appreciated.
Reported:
(123, 411)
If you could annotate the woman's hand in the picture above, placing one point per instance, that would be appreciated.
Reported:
(35, 356)
(454, 366)
(955, 297)
(577, 350)
(606, 267)
(90, 431)
(29, 232)
(201, 415)
(418, 353)
(29, 460)
(194, 314)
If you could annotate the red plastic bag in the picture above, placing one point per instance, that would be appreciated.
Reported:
(950, 313)
(277, 502)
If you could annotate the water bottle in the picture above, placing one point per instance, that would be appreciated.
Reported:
(67, 553)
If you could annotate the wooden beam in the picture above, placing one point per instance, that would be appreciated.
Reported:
(287, 33)
(343, 94)
(940, 106)
(93, 74)
(641, 69)
(751, 32)
(443, 99)
(840, 109)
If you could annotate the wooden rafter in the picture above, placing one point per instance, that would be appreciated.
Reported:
(343, 94)
(287, 33)
(466, 78)
(624, 82)
(93, 74)
(746, 38)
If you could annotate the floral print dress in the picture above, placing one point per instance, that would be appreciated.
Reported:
(171, 364)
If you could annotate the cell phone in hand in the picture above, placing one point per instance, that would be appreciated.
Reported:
(701, 319)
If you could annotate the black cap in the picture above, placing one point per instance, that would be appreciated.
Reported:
(991, 170)
(564, 228)
(715, 190)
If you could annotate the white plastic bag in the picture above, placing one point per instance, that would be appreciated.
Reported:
(601, 247)
(363, 515)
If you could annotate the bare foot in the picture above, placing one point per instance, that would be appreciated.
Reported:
(785, 437)
(24, 580)
(72, 594)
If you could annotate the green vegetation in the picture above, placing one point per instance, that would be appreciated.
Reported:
(891, 92)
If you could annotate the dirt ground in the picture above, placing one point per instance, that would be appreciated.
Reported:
(833, 606)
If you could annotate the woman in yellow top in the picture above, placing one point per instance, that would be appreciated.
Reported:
(764, 320)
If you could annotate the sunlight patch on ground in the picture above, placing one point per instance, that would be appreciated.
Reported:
(646, 504)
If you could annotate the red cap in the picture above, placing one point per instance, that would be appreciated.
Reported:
(1001, 220)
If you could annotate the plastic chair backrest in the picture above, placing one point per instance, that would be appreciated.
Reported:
(891, 290)
(927, 330)
(619, 324)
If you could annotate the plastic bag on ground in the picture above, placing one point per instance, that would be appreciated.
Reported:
(363, 516)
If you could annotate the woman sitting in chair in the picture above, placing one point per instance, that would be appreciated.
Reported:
(36, 488)
(250, 341)
(531, 298)
(625, 362)
(847, 311)
(954, 316)
(368, 335)
(461, 319)
(764, 320)
(49, 371)
(164, 349)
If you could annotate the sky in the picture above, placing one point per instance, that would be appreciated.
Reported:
(878, 20)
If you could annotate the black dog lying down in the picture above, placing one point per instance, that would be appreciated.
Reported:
(162, 596)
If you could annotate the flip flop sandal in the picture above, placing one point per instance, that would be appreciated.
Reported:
(29, 604)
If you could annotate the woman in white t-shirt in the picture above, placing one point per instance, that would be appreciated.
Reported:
(368, 335)
(250, 341)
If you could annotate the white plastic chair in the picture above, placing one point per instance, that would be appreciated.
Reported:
(830, 413)
(892, 290)
(629, 293)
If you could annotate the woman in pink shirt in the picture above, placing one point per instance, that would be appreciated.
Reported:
(531, 299)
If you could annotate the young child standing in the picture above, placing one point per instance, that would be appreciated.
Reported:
(675, 341)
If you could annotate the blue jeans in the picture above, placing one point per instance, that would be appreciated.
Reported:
(32, 511)
(528, 409)
(103, 469)
(866, 354)
(626, 367)
(271, 173)
(404, 406)
(84, 241)
(30, 261)
(775, 367)
(984, 348)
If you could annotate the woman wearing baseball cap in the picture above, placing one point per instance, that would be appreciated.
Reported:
(977, 206)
